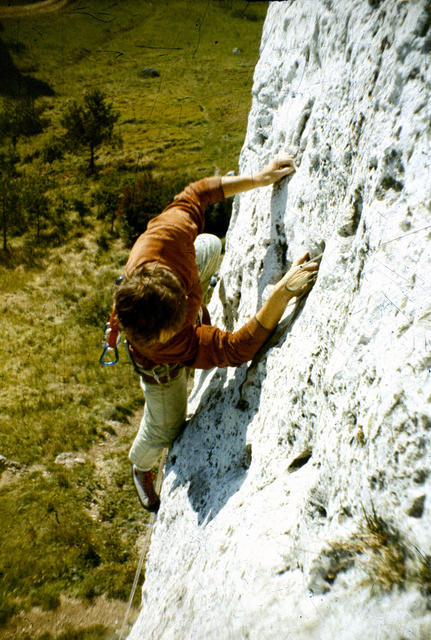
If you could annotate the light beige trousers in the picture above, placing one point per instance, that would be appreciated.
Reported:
(166, 404)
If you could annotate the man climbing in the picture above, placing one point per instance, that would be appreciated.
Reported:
(158, 305)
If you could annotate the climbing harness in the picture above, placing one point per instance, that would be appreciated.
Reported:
(160, 374)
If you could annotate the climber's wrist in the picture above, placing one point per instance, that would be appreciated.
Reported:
(272, 310)
(232, 185)
(259, 179)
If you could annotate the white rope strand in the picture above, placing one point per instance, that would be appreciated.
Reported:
(145, 547)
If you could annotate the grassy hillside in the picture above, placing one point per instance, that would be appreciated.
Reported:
(194, 113)
(73, 532)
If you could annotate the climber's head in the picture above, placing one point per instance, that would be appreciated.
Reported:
(151, 305)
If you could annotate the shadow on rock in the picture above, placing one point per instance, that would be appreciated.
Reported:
(211, 456)
(275, 262)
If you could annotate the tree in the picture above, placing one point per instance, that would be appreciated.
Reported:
(89, 124)
(34, 201)
(21, 117)
(9, 201)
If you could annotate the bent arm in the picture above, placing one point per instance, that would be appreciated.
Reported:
(217, 348)
(274, 171)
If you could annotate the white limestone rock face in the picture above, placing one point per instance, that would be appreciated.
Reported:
(297, 503)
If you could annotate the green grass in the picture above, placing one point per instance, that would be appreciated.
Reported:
(73, 531)
(197, 109)
(52, 331)
(57, 398)
(95, 632)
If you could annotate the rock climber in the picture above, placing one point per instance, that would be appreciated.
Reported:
(158, 305)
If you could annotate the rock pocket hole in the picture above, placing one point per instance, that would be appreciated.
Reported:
(300, 460)
(416, 510)
(247, 456)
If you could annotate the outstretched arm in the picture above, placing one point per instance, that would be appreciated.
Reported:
(278, 168)
(217, 348)
(297, 281)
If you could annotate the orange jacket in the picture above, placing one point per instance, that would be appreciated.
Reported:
(168, 240)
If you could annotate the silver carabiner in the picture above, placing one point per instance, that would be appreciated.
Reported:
(107, 349)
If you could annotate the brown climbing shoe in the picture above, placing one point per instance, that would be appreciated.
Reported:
(143, 481)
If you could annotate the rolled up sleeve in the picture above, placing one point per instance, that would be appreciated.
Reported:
(193, 200)
(217, 348)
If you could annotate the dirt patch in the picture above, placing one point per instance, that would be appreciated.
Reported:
(71, 614)
(28, 10)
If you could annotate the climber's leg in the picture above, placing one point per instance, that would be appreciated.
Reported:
(163, 419)
(208, 250)
(166, 404)
(164, 415)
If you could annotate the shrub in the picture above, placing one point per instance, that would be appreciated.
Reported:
(48, 597)
(21, 117)
(106, 197)
(217, 217)
(34, 202)
(248, 15)
(141, 201)
(147, 196)
(60, 220)
(102, 241)
(53, 150)
(81, 208)
(8, 606)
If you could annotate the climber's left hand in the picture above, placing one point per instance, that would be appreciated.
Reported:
(278, 168)
(275, 170)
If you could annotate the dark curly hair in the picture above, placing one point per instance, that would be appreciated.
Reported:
(148, 301)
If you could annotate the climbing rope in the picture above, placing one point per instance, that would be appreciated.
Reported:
(146, 544)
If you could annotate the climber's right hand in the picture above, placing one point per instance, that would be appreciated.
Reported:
(301, 276)
(295, 283)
